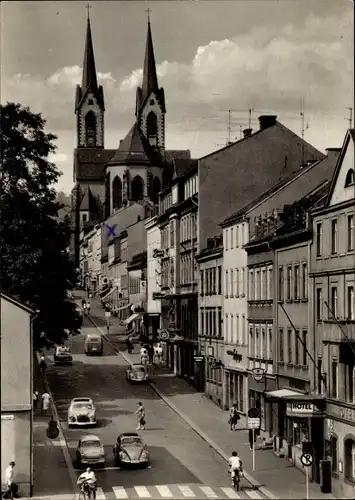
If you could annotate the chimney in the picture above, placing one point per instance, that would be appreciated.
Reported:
(267, 121)
(247, 132)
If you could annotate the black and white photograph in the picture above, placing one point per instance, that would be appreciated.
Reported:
(177, 249)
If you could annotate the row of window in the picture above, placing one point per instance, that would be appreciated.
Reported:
(235, 283)
(235, 328)
(187, 269)
(211, 321)
(211, 281)
(296, 347)
(335, 237)
(235, 390)
(342, 382)
(260, 341)
(188, 227)
(214, 375)
(260, 283)
(349, 304)
(166, 203)
(191, 187)
(296, 282)
(168, 273)
(135, 285)
(235, 237)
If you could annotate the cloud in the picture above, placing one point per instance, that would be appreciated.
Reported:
(59, 158)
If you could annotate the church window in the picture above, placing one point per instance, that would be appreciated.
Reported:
(350, 178)
(90, 127)
(90, 101)
(137, 188)
(116, 193)
(156, 190)
(152, 128)
(151, 102)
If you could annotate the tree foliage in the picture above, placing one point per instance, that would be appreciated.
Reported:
(35, 265)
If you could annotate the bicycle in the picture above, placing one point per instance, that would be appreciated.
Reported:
(86, 491)
(236, 478)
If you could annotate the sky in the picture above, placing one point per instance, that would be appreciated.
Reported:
(212, 56)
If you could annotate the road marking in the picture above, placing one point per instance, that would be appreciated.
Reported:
(230, 492)
(142, 492)
(186, 491)
(208, 492)
(253, 494)
(164, 491)
(119, 492)
(100, 495)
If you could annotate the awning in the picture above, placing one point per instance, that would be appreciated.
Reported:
(109, 293)
(123, 307)
(282, 393)
(103, 291)
(132, 318)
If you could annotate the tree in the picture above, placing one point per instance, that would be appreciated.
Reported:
(35, 265)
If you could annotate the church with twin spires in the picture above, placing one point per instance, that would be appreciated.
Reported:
(108, 180)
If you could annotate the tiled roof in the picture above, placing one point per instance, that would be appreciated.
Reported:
(182, 166)
(135, 148)
(172, 154)
(90, 163)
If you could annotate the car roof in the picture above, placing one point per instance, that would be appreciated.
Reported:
(138, 364)
(81, 400)
(93, 336)
(90, 437)
(129, 434)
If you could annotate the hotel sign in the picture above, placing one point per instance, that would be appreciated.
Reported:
(341, 412)
(300, 408)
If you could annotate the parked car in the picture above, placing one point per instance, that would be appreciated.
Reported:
(130, 450)
(62, 355)
(137, 373)
(90, 451)
(81, 412)
(94, 344)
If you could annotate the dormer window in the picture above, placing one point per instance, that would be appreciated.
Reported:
(151, 102)
(350, 178)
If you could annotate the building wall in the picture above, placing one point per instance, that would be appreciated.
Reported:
(136, 239)
(342, 193)
(272, 153)
(153, 266)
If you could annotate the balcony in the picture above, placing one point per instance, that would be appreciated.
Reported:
(333, 333)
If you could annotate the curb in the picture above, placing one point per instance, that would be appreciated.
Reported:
(191, 424)
(62, 438)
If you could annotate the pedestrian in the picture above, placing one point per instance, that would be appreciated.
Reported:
(42, 366)
(12, 487)
(159, 353)
(143, 351)
(52, 431)
(151, 354)
(85, 307)
(45, 403)
(233, 417)
(141, 417)
(88, 307)
(83, 302)
(35, 398)
(129, 345)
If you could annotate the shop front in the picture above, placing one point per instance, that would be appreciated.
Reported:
(340, 447)
(257, 399)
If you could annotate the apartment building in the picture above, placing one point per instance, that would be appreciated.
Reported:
(332, 319)
(210, 324)
(153, 278)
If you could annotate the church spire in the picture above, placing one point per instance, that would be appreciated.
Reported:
(150, 80)
(89, 70)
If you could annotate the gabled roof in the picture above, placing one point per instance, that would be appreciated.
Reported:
(182, 166)
(349, 136)
(135, 149)
(17, 303)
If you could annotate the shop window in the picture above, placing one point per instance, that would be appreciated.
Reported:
(349, 458)
(300, 431)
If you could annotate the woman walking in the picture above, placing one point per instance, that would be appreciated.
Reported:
(141, 417)
(45, 403)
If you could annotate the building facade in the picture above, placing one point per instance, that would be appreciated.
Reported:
(210, 361)
(153, 278)
(16, 391)
(332, 319)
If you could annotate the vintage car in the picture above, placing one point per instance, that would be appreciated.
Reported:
(81, 412)
(62, 355)
(90, 451)
(137, 373)
(130, 450)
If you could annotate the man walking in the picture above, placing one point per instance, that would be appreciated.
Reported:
(141, 417)
(35, 399)
(88, 307)
(45, 403)
(233, 417)
(12, 488)
(151, 354)
(42, 366)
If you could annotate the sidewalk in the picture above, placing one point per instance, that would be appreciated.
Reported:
(51, 473)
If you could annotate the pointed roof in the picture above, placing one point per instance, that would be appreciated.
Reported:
(89, 69)
(150, 79)
(135, 149)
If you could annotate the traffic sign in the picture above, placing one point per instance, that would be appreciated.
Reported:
(258, 374)
(253, 423)
(107, 314)
(253, 413)
(307, 459)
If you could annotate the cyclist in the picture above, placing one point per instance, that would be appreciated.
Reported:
(87, 482)
(235, 468)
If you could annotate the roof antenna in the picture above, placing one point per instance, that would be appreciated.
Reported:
(88, 7)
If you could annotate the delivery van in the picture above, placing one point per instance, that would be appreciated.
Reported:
(94, 344)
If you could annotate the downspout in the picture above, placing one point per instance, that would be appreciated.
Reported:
(33, 317)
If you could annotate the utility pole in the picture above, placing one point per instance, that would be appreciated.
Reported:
(350, 119)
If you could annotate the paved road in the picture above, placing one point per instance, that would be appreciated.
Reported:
(182, 464)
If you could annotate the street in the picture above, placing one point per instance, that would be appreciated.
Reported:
(182, 465)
